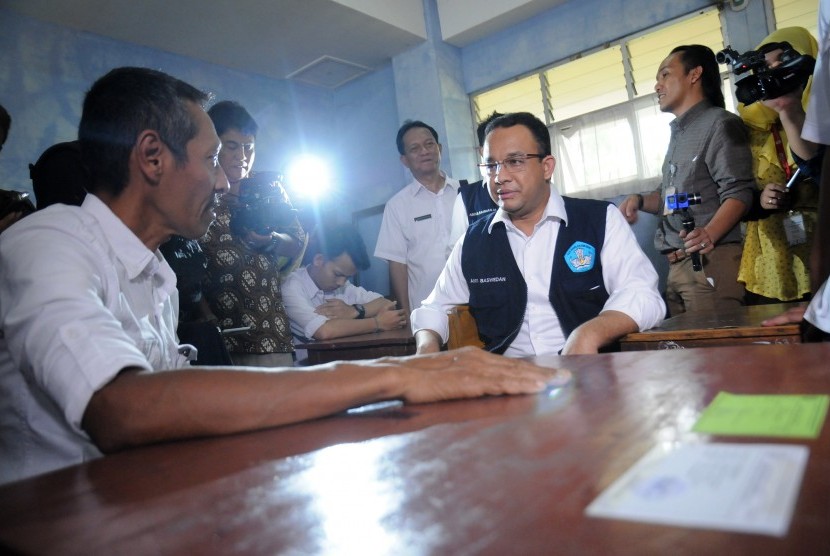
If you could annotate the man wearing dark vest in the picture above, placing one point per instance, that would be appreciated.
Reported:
(473, 201)
(543, 274)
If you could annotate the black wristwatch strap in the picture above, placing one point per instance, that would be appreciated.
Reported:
(361, 310)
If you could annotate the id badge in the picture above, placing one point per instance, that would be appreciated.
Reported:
(794, 228)
(670, 190)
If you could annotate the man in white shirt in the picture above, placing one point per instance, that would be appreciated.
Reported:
(415, 230)
(88, 306)
(817, 129)
(320, 300)
(545, 273)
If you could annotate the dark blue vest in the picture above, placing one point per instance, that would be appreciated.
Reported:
(477, 200)
(498, 292)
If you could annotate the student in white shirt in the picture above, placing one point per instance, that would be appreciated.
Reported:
(322, 303)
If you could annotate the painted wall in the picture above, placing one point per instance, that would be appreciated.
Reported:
(46, 69)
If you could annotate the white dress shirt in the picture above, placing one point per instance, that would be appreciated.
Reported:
(817, 129)
(301, 296)
(629, 278)
(415, 231)
(81, 298)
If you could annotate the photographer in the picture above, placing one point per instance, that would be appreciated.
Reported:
(775, 263)
(247, 258)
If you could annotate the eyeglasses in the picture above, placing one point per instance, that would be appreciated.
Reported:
(513, 164)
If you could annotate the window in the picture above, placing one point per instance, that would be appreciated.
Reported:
(608, 134)
(796, 13)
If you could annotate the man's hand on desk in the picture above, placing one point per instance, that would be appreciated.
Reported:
(336, 309)
(471, 372)
(790, 316)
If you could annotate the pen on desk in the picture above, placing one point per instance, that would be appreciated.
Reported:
(792, 179)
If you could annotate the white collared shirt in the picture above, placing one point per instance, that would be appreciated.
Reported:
(81, 298)
(628, 275)
(301, 296)
(416, 232)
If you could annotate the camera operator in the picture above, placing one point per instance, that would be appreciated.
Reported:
(775, 264)
(708, 154)
(245, 262)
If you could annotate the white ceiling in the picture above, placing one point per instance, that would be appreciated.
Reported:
(323, 42)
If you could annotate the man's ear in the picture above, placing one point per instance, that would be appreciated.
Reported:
(695, 73)
(318, 260)
(150, 152)
(549, 165)
(405, 162)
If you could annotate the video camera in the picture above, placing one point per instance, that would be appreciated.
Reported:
(263, 205)
(680, 203)
(765, 82)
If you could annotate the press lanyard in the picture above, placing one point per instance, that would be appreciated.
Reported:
(782, 155)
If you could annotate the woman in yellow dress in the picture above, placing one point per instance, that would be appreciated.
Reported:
(775, 262)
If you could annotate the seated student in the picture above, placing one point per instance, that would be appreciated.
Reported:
(319, 299)
(544, 273)
(87, 305)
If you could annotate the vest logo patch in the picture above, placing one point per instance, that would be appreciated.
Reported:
(581, 257)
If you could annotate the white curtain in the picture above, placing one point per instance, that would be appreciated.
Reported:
(612, 151)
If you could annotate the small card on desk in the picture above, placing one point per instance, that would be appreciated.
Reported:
(750, 488)
(787, 416)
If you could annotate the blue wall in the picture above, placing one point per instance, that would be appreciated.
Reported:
(46, 69)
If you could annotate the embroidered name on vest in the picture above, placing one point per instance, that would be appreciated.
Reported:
(424, 217)
(480, 212)
(580, 257)
(488, 280)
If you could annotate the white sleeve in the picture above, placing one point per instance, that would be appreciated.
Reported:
(299, 307)
(391, 244)
(58, 329)
(355, 294)
(450, 290)
(629, 276)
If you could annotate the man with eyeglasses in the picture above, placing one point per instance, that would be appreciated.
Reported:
(544, 274)
(415, 232)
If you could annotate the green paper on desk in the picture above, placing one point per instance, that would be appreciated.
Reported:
(786, 416)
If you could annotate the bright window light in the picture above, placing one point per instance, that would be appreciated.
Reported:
(309, 177)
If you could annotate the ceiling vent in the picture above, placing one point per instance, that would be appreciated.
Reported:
(328, 72)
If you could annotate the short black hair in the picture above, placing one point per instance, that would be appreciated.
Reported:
(694, 55)
(5, 123)
(482, 127)
(122, 104)
(536, 126)
(410, 124)
(59, 176)
(332, 240)
(229, 114)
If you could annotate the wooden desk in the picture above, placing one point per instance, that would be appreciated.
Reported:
(509, 475)
(364, 346)
(733, 327)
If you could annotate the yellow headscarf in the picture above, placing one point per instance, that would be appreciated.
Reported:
(762, 118)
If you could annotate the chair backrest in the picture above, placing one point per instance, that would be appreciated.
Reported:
(463, 329)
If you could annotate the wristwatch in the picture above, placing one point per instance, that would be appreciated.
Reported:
(361, 310)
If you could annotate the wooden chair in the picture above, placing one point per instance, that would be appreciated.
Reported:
(463, 329)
